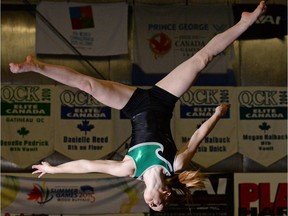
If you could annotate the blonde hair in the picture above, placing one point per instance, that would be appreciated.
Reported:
(192, 179)
(185, 180)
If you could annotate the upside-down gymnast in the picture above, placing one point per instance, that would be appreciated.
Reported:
(152, 155)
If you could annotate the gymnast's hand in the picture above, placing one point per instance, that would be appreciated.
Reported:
(42, 168)
(222, 109)
(30, 64)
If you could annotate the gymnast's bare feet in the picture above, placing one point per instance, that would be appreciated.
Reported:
(30, 64)
(250, 17)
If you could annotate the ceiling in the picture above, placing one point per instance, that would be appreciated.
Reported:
(282, 2)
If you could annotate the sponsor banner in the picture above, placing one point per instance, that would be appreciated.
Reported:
(27, 129)
(84, 127)
(38, 120)
(92, 29)
(215, 199)
(194, 108)
(80, 195)
(272, 24)
(260, 194)
(165, 36)
(262, 127)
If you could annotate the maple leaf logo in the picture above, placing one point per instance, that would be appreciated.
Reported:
(23, 131)
(264, 126)
(40, 194)
(160, 44)
(85, 126)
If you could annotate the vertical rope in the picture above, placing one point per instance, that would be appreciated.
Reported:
(63, 38)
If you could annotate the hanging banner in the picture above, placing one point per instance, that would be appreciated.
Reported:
(168, 35)
(84, 127)
(81, 195)
(92, 29)
(215, 199)
(262, 126)
(272, 24)
(194, 108)
(27, 129)
(260, 194)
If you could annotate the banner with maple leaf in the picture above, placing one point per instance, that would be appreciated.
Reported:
(70, 195)
(165, 36)
(84, 127)
(27, 131)
(196, 106)
(36, 121)
(262, 127)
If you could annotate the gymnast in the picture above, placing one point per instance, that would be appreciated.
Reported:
(152, 155)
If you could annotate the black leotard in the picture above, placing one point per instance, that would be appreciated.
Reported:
(150, 112)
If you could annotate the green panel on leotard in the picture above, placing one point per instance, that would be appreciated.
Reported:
(146, 155)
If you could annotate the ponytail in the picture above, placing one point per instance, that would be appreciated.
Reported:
(185, 180)
(192, 179)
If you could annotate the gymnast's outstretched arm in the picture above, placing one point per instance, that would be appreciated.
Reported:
(122, 168)
(110, 93)
(186, 153)
(178, 81)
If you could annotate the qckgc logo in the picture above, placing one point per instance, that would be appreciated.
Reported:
(201, 103)
(24, 94)
(262, 98)
(78, 98)
(205, 97)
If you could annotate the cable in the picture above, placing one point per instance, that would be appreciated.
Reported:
(63, 38)
(74, 50)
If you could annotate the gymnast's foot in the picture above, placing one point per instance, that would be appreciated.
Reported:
(30, 64)
(250, 17)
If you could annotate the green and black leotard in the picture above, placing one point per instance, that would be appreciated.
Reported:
(150, 112)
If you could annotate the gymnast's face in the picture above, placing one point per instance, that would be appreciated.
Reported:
(157, 200)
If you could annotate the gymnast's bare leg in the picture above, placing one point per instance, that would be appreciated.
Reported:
(110, 93)
(178, 81)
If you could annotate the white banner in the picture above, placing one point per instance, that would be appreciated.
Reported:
(38, 120)
(195, 107)
(27, 129)
(84, 194)
(263, 123)
(168, 35)
(84, 127)
(93, 29)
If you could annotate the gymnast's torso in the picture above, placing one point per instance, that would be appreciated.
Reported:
(152, 144)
